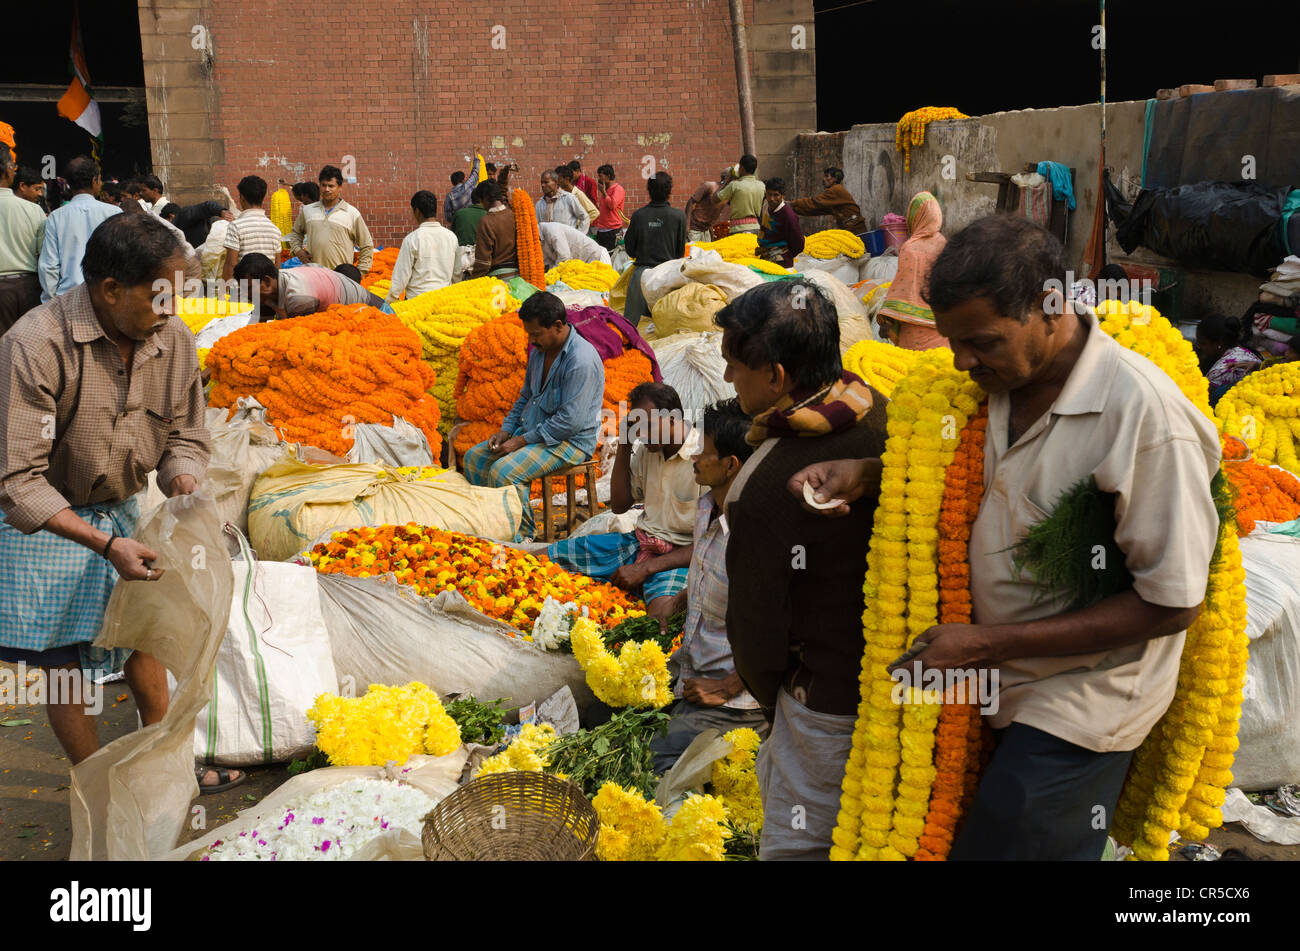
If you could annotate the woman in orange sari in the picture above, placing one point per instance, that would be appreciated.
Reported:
(905, 317)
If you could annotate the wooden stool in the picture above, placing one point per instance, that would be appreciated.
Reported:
(570, 475)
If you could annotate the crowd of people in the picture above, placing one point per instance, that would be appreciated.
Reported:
(98, 389)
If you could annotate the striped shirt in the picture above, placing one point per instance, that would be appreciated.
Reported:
(705, 650)
(253, 233)
(331, 236)
(75, 429)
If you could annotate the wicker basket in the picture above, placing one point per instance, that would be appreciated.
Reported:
(515, 816)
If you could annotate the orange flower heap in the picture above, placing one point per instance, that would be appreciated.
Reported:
(528, 239)
(1260, 493)
(379, 279)
(502, 582)
(319, 375)
(491, 374)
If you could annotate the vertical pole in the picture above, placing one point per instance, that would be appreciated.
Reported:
(740, 50)
(1101, 197)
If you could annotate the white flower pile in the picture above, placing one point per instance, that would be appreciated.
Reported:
(329, 825)
(552, 624)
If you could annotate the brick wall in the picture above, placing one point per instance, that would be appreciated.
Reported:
(406, 87)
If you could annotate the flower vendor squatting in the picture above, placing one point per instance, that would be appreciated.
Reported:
(794, 606)
(708, 691)
(556, 418)
(1081, 688)
(656, 470)
(69, 502)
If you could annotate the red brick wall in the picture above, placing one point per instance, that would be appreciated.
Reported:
(407, 87)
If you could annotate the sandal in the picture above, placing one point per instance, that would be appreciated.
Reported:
(223, 776)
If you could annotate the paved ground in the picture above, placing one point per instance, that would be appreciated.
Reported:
(34, 822)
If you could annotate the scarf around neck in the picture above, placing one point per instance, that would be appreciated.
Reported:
(832, 409)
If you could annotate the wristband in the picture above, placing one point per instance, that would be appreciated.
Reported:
(109, 544)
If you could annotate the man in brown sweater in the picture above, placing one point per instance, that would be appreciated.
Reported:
(835, 201)
(495, 252)
(794, 610)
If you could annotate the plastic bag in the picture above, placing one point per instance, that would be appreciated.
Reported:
(707, 267)
(400, 444)
(660, 280)
(881, 268)
(131, 798)
(619, 260)
(1222, 226)
(273, 664)
(1269, 755)
(854, 323)
(618, 293)
(520, 289)
(293, 503)
(693, 365)
(436, 776)
(689, 308)
(215, 329)
(847, 269)
(382, 632)
(581, 298)
(242, 448)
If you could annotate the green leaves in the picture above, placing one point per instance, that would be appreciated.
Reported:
(478, 722)
(617, 751)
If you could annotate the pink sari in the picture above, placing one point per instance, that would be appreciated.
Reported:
(906, 303)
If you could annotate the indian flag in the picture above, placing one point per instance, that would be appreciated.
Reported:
(77, 103)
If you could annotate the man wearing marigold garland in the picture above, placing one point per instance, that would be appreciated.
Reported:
(1081, 687)
(794, 606)
(556, 419)
(653, 466)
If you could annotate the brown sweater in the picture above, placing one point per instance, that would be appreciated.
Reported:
(794, 604)
(836, 201)
(495, 244)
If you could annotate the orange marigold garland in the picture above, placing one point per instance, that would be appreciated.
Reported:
(321, 374)
(958, 737)
(492, 361)
(1260, 493)
(381, 266)
(528, 239)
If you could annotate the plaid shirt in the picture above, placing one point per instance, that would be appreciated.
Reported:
(705, 650)
(74, 431)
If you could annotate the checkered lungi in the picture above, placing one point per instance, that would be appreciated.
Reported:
(482, 466)
(601, 555)
(53, 591)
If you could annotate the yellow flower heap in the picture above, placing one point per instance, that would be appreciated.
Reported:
(443, 318)
(735, 781)
(881, 364)
(636, 677)
(383, 724)
(834, 242)
(1263, 410)
(526, 752)
(742, 248)
(1178, 774)
(198, 312)
(583, 275)
(634, 830)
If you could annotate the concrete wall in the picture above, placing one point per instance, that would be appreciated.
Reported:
(407, 87)
(1005, 141)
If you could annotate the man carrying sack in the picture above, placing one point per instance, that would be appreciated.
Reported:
(98, 387)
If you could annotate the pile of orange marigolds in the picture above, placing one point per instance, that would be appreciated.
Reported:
(1260, 493)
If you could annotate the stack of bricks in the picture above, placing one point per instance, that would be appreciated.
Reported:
(1227, 85)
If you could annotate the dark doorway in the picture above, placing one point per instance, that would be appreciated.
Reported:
(35, 70)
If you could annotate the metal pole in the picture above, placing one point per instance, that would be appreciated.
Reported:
(740, 49)
(1102, 196)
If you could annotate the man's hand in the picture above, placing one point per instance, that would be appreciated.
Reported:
(304, 255)
(630, 576)
(954, 647)
(183, 484)
(228, 215)
(708, 692)
(513, 444)
(497, 438)
(847, 479)
(132, 560)
(676, 606)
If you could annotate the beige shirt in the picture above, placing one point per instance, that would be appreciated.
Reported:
(330, 235)
(668, 489)
(588, 206)
(1122, 420)
(74, 430)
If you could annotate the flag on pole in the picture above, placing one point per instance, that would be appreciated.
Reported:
(77, 103)
(480, 167)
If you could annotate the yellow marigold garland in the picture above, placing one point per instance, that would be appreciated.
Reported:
(735, 248)
(583, 275)
(834, 242)
(881, 364)
(1263, 410)
(280, 211)
(910, 131)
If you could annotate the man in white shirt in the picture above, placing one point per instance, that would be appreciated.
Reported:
(151, 193)
(252, 232)
(427, 259)
(562, 243)
(328, 231)
(565, 176)
(559, 206)
(68, 229)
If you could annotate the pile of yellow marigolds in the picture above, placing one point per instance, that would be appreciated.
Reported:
(834, 242)
(583, 275)
(321, 374)
(443, 319)
(1263, 410)
(502, 582)
(742, 248)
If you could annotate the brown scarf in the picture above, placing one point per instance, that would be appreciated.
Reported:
(832, 409)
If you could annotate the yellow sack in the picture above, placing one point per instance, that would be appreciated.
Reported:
(688, 309)
(618, 293)
(294, 503)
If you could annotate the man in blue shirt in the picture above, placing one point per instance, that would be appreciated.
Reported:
(556, 419)
(68, 228)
